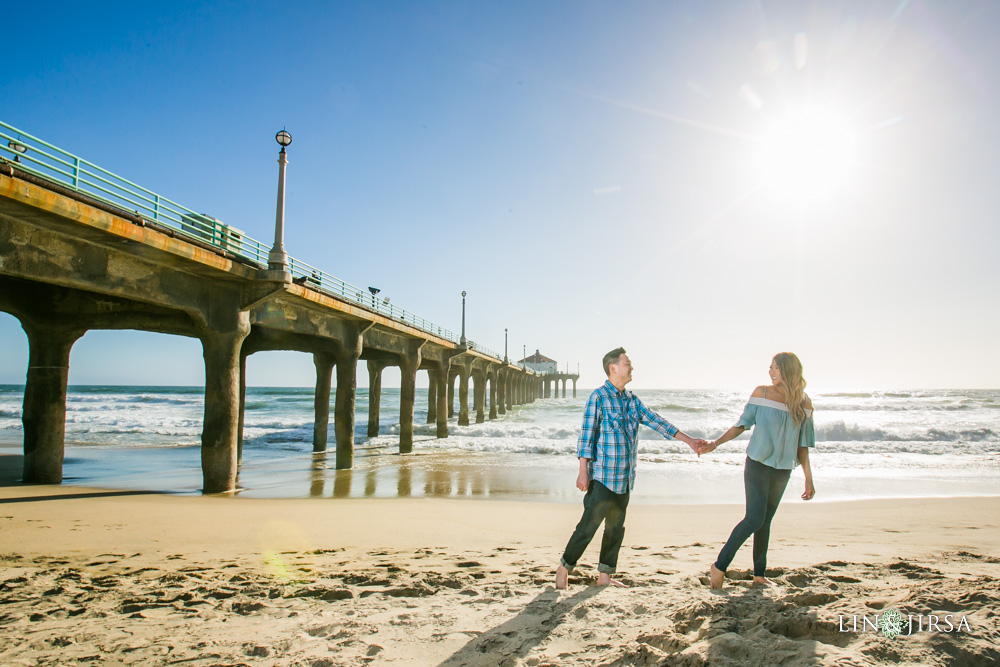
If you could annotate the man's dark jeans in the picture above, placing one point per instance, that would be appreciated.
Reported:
(600, 504)
(764, 487)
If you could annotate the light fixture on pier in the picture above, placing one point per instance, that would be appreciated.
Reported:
(374, 291)
(462, 339)
(18, 148)
(505, 345)
(277, 259)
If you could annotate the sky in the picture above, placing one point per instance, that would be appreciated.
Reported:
(704, 183)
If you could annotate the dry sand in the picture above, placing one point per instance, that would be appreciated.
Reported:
(110, 577)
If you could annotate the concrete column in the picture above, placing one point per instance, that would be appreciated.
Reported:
(501, 379)
(463, 395)
(508, 388)
(243, 407)
(545, 388)
(374, 394)
(343, 409)
(492, 379)
(564, 387)
(442, 402)
(432, 401)
(324, 363)
(451, 393)
(222, 405)
(574, 387)
(479, 397)
(408, 365)
(43, 413)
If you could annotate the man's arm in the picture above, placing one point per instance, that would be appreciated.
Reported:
(583, 477)
(665, 428)
(585, 446)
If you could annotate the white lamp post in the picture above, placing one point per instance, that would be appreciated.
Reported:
(277, 259)
(462, 339)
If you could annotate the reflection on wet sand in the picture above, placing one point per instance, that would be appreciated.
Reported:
(431, 475)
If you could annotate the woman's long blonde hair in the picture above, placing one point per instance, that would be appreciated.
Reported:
(793, 384)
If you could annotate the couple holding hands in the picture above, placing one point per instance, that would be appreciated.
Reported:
(781, 415)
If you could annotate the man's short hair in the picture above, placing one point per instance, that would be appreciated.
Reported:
(610, 358)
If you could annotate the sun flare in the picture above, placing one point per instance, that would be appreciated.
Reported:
(807, 154)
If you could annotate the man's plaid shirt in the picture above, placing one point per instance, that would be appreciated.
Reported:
(608, 439)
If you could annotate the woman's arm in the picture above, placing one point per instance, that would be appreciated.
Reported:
(733, 432)
(804, 462)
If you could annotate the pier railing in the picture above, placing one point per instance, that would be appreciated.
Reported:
(52, 163)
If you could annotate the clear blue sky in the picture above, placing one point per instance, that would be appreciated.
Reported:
(594, 174)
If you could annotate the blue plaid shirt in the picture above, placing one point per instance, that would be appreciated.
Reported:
(609, 436)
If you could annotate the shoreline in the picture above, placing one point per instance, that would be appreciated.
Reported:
(381, 473)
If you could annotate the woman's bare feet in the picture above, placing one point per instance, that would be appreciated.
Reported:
(562, 577)
(716, 577)
(763, 581)
(604, 579)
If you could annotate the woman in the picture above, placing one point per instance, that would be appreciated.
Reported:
(783, 435)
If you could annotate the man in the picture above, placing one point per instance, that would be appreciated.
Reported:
(607, 453)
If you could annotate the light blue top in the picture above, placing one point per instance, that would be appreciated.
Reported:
(776, 438)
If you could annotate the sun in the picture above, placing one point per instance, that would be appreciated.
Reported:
(807, 154)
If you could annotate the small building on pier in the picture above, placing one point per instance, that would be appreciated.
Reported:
(540, 363)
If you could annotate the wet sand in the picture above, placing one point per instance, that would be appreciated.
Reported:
(124, 577)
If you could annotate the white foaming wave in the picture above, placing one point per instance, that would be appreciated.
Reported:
(840, 432)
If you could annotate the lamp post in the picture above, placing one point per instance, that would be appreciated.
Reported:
(374, 291)
(524, 356)
(505, 345)
(277, 259)
(462, 340)
(18, 149)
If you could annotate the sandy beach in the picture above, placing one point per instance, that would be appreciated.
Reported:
(92, 576)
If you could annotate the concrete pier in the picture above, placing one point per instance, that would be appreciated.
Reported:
(491, 377)
(432, 403)
(442, 402)
(44, 410)
(409, 364)
(463, 395)
(324, 362)
(69, 264)
(452, 376)
(375, 368)
(221, 350)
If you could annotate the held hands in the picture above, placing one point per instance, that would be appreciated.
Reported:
(696, 444)
(706, 447)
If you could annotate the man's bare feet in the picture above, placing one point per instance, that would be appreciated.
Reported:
(604, 579)
(716, 577)
(763, 581)
(562, 577)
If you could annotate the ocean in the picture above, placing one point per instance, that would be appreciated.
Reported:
(870, 444)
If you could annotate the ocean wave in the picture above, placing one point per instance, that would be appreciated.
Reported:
(902, 407)
(671, 407)
(841, 432)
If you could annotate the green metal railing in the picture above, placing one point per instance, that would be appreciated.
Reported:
(51, 163)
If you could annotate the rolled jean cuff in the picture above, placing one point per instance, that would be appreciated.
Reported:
(566, 565)
(606, 569)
